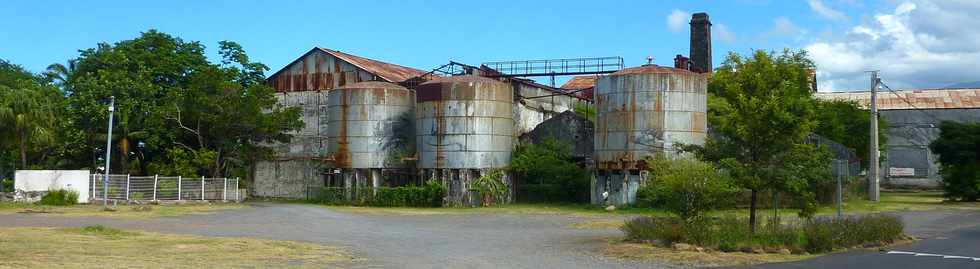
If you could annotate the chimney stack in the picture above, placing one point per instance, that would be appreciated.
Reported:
(701, 43)
(681, 62)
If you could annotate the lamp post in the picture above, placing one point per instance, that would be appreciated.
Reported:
(108, 155)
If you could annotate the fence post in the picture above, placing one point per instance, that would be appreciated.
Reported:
(237, 191)
(224, 191)
(127, 187)
(155, 179)
(178, 187)
(202, 188)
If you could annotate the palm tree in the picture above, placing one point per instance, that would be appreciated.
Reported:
(61, 75)
(29, 114)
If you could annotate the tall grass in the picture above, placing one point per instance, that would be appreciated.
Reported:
(60, 197)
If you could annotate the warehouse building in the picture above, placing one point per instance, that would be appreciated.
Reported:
(913, 118)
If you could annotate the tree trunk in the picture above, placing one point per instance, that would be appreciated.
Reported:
(752, 207)
(23, 149)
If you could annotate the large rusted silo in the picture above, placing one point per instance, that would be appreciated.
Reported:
(371, 126)
(464, 128)
(642, 112)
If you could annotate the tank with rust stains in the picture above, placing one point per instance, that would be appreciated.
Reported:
(464, 122)
(642, 112)
(371, 125)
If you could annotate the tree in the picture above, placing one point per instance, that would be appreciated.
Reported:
(762, 107)
(26, 109)
(847, 123)
(958, 147)
(687, 188)
(549, 167)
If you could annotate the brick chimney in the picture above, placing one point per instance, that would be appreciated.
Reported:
(681, 62)
(701, 43)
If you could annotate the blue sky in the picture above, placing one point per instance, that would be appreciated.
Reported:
(426, 34)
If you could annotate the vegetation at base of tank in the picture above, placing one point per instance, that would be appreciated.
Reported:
(686, 188)
(587, 111)
(59, 197)
(430, 194)
(958, 147)
(490, 188)
(548, 167)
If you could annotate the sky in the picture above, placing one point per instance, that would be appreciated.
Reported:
(915, 43)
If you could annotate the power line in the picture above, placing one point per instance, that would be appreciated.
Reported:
(906, 100)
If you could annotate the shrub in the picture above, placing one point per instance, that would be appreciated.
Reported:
(687, 188)
(6, 185)
(428, 195)
(958, 147)
(826, 234)
(60, 198)
(490, 189)
(550, 165)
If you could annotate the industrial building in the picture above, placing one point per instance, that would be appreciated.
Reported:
(370, 123)
(913, 118)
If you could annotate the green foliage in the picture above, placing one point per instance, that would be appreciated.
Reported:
(687, 188)
(60, 198)
(181, 162)
(490, 188)
(762, 106)
(958, 148)
(28, 109)
(587, 111)
(730, 234)
(847, 123)
(429, 195)
(550, 164)
(827, 234)
(6, 184)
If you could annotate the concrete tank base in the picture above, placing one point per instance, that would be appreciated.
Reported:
(459, 182)
(619, 186)
(361, 182)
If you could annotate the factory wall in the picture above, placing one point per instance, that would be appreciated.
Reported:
(528, 113)
(908, 160)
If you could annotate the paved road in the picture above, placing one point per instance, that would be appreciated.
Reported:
(951, 239)
(385, 241)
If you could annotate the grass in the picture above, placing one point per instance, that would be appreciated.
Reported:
(112, 248)
(121, 211)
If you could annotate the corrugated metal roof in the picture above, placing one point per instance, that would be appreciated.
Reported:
(390, 72)
(920, 98)
(580, 82)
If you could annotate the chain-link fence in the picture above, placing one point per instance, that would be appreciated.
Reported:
(164, 188)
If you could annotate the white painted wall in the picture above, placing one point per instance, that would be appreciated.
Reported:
(43, 180)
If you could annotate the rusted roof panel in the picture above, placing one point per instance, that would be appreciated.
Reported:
(580, 83)
(391, 72)
(919, 98)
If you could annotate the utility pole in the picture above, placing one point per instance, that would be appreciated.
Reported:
(873, 169)
(108, 155)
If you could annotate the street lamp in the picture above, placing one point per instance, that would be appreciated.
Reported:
(108, 154)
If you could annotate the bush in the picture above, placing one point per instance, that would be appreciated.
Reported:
(60, 198)
(958, 147)
(6, 185)
(428, 195)
(687, 188)
(550, 165)
(490, 189)
(730, 234)
(826, 234)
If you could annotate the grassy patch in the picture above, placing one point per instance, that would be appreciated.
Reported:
(112, 248)
(636, 251)
(121, 211)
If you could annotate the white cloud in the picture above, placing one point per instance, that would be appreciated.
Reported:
(678, 20)
(784, 27)
(828, 12)
(917, 44)
(721, 33)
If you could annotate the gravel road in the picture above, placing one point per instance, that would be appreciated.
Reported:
(392, 241)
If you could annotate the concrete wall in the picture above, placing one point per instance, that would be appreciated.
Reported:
(528, 113)
(287, 178)
(44, 180)
(909, 134)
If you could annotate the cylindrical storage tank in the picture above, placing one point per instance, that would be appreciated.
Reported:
(645, 111)
(464, 122)
(464, 128)
(371, 125)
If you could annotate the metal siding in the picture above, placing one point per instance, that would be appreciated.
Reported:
(364, 122)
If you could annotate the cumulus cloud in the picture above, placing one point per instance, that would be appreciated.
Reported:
(677, 20)
(819, 7)
(721, 33)
(916, 44)
(782, 27)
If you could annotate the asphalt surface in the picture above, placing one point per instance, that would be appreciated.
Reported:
(392, 241)
(950, 239)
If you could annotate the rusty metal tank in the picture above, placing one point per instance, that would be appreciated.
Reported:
(464, 122)
(647, 110)
(371, 125)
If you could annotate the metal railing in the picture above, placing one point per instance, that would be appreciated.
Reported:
(164, 188)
